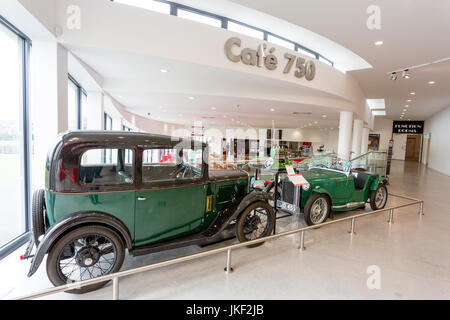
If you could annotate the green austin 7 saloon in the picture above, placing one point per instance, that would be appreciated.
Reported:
(329, 188)
(106, 192)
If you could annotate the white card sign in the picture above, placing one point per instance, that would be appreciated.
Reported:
(296, 179)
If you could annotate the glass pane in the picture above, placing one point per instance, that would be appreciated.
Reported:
(147, 4)
(11, 153)
(97, 169)
(307, 53)
(84, 112)
(72, 106)
(281, 42)
(245, 30)
(325, 61)
(171, 164)
(199, 18)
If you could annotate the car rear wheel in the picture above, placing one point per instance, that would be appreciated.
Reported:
(378, 197)
(38, 216)
(85, 253)
(255, 222)
(317, 209)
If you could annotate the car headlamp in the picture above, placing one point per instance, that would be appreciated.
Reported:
(305, 187)
(259, 184)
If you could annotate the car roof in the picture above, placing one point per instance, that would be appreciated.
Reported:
(134, 138)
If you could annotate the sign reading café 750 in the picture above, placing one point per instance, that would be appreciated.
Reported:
(263, 57)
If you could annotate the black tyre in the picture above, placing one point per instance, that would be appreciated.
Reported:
(38, 216)
(317, 209)
(255, 222)
(378, 197)
(85, 253)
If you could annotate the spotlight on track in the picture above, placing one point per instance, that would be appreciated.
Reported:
(394, 76)
(406, 74)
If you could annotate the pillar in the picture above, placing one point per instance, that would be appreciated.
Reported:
(358, 126)
(345, 134)
(365, 140)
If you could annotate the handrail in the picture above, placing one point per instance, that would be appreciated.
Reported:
(115, 276)
(364, 154)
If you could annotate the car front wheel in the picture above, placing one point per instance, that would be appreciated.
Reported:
(317, 209)
(255, 222)
(85, 253)
(378, 197)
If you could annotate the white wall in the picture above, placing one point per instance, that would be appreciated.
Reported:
(383, 127)
(439, 151)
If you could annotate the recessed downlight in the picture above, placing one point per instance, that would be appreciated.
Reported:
(378, 43)
(213, 108)
(164, 70)
(431, 82)
(412, 93)
(191, 98)
(324, 116)
(272, 109)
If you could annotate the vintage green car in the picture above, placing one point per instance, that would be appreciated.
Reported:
(106, 192)
(330, 188)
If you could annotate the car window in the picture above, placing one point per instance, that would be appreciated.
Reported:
(171, 164)
(107, 166)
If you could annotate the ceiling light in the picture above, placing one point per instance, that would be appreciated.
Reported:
(431, 82)
(409, 100)
(324, 116)
(406, 74)
(406, 106)
(191, 98)
(272, 109)
(213, 108)
(404, 110)
(378, 43)
(315, 122)
(412, 93)
(394, 76)
(164, 70)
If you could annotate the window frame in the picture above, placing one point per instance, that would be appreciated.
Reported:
(171, 183)
(25, 49)
(79, 100)
(124, 185)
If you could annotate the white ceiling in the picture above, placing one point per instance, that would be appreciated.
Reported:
(414, 32)
(221, 97)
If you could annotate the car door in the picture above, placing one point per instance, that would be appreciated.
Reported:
(169, 204)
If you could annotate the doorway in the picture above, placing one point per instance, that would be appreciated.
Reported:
(413, 144)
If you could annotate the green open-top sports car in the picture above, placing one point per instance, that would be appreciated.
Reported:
(330, 188)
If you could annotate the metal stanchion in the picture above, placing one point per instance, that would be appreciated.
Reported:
(352, 228)
(302, 241)
(391, 216)
(421, 209)
(228, 269)
(116, 288)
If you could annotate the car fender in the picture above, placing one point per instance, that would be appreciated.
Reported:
(238, 208)
(72, 221)
(322, 190)
(380, 180)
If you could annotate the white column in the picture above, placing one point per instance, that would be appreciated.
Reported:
(345, 134)
(357, 137)
(365, 140)
(95, 110)
(48, 103)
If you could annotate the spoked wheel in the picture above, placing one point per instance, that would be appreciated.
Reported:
(255, 222)
(378, 197)
(85, 253)
(317, 209)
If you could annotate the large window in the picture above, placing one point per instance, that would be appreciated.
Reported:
(281, 42)
(171, 164)
(236, 27)
(77, 102)
(14, 182)
(199, 18)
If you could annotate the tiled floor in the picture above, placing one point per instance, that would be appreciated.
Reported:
(413, 256)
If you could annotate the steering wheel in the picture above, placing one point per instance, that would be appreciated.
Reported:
(177, 172)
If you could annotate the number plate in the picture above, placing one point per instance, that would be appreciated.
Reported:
(287, 207)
